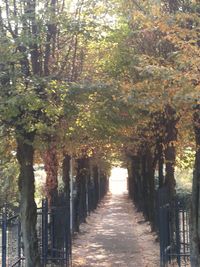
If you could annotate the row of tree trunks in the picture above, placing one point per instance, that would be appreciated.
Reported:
(141, 184)
(165, 134)
(51, 166)
(141, 181)
(104, 185)
(25, 156)
(92, 185)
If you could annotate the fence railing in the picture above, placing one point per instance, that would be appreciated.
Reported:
(174, 237)
(11, 243)
(53, 230)
(54, 237)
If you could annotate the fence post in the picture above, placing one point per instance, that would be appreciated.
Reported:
(71, 196)
(178, 242)
(161, 237)
(19, 240)
(4, 237)
(44, 231)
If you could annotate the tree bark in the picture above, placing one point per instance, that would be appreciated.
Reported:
(195, 209)
(160, 164)
(96, 185)
(158, 128)
(145, 188)
(66, 177)
(130, 178)
(51, 169)
(151, 188)
(81, 179)
(135, 179)
(139, 182)
(66, 181)
(170, 149)
(28, 208)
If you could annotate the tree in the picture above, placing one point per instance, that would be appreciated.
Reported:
(38, 40)
(28, 31)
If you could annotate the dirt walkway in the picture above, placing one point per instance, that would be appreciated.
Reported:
(115, 236)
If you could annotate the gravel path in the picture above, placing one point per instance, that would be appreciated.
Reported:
(115, 236)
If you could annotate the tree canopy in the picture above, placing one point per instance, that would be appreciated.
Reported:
(100, 79)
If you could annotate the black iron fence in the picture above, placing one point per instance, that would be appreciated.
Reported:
(173, 220)
(53, 229)
(53, 235)
(11, 244)
(94, 193)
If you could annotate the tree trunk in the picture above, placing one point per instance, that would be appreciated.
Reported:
(96, 185)
(82, 176)
(66, 181)
(136, 174)
(145, 190)
(195, 209)
(130, 178)
(170, 149)
(139, 179)
(160, 164)
(58, 215)
(51, 169)
(66, 177)
(170, 182)
(28, 209)
(159, 130)
(81, 180)
(151, 188)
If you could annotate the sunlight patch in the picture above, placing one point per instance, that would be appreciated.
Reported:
(118, 180)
